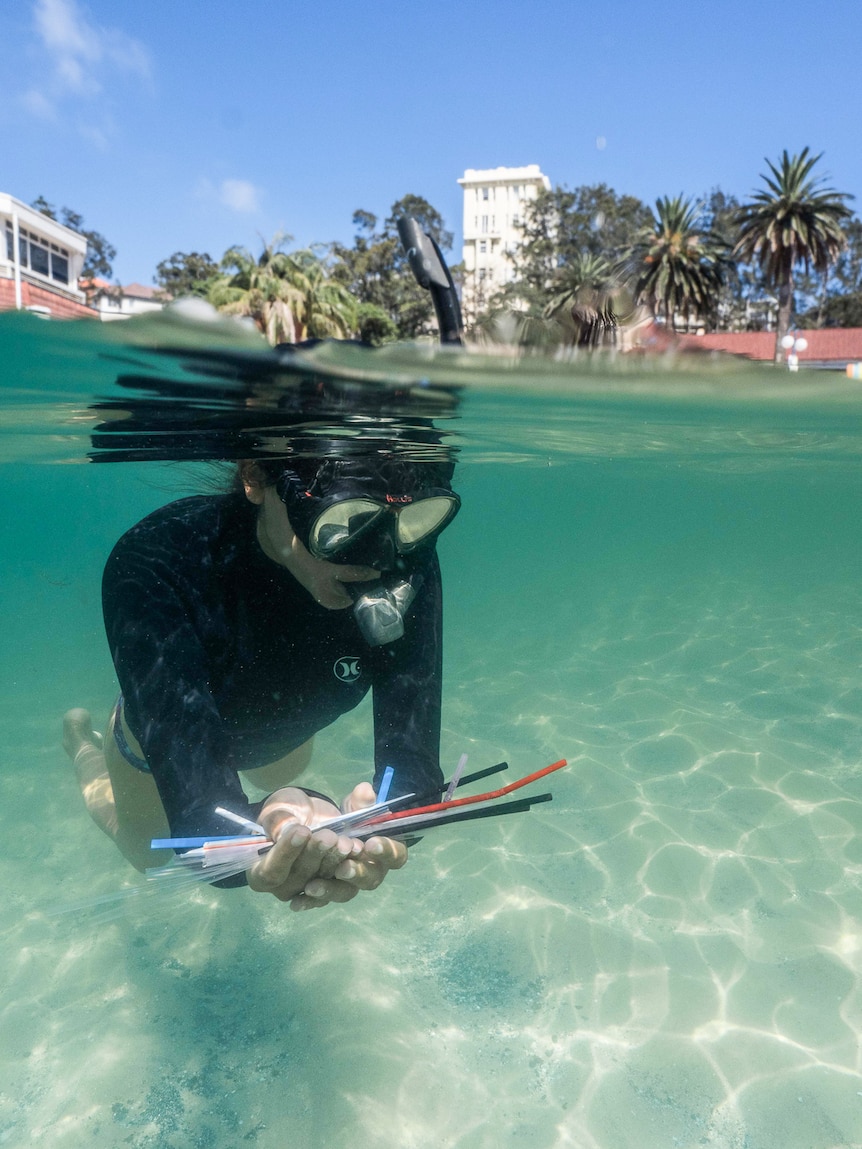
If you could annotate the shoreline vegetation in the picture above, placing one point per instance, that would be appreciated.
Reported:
(590, 261)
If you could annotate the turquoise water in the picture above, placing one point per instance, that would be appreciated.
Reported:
(656, 574)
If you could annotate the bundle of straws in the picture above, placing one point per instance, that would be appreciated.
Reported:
(214, 858)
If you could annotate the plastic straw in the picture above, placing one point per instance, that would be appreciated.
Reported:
(385, 784)
(455, 779)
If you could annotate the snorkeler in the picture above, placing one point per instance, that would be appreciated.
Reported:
(242, 624)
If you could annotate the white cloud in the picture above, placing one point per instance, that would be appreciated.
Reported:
(38, 104)
(240, 196)
(79, 53)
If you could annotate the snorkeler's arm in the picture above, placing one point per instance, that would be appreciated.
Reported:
(407, 694)
(163, 672)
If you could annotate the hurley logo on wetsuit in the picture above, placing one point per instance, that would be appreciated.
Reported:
(347, 669)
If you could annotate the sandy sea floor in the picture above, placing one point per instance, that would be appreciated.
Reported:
(669, 954)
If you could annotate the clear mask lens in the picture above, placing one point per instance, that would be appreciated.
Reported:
(342, 524)
(345, 523)
(420, 519)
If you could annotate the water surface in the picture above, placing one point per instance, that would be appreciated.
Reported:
(655, 575)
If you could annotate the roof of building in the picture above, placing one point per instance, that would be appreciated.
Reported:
(825, 345)
(141, 291)
(530, 173)
(100, 286)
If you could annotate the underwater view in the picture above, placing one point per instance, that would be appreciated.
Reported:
(656, 574)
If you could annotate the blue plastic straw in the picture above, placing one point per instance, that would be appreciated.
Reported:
(385, 783)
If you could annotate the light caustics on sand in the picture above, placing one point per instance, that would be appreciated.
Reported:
(213, 859)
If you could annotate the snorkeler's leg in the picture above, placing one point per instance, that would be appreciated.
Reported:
(284, 771)
(84, 747)
(123, 801)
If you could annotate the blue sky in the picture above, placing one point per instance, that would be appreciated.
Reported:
(199, 124)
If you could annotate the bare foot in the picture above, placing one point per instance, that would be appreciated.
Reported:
(78, 732)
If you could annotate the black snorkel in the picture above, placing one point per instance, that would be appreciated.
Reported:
(378, 510)
(429, 267)
(380, 610)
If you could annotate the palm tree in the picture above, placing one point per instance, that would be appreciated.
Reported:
(676, 265)
(583, 290)
(793, 222)
(328, 310)
(269, 289)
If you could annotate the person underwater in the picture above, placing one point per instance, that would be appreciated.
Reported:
(242, 624)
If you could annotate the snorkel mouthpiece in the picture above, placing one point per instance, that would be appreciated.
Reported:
(380, 612)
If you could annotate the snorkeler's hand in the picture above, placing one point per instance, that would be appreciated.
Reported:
(299, 854)
(313, 868)
(323, 580)
(364, 869)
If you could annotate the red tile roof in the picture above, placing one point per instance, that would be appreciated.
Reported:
(829, 344)
(141, 291)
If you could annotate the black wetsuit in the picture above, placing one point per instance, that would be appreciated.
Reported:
(227, 663)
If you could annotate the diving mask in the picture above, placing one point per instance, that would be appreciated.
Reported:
(372, 513)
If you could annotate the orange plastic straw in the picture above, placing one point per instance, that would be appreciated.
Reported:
(453, 802)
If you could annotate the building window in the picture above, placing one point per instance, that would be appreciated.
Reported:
(516, 221)
(482, 274)
(59, 267)
(483, 246)
(35, 254)
(40, 259)
(484, 224)
(484, 193)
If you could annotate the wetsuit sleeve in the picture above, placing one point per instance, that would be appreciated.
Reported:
(407, 694)
(161, 664)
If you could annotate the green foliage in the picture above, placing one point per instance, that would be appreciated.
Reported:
(374, 325)
(376, 273)
(289, 295)
(100, 253)
(559, 230)
(792, 223)
(582, 302)
(676, 264)
(186, 273)
(835, 311)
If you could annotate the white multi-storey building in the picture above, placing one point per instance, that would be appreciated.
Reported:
(494, 204)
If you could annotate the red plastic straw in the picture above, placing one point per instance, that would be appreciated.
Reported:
(453, 802)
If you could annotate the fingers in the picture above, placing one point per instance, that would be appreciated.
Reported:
(367, 870)
(355, 574)
(320, 893)
(364, 871)
(274, 870)
(359, 798)
(312, 869)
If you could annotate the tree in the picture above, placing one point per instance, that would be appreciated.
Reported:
(265, 289)
(742, 302)
(560, 228)
(376, 273)
(100, 253)
(794, 222)
(186, 273)
(676, 264)
(287, 294)
(327, 310)
(583, 299)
